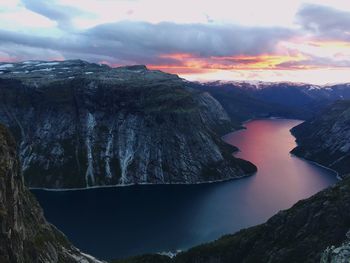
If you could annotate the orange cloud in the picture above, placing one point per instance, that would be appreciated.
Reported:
(188, 63)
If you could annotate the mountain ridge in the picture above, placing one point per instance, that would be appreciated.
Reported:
(325, 138)
(114, 126)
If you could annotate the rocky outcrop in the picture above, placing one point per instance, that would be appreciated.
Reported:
(340, 254)
(325, 139)
(25, 236)
(81, 125)
(312, 229)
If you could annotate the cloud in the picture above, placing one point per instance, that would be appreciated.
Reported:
(325, 22)
(314, 63)
(147, 43)
(61, 14)
(188, 47)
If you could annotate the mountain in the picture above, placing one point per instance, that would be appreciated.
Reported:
(25, 236)
(248, 100)
(312, 229)
(316, 229)
(325, 139)
(80, 124)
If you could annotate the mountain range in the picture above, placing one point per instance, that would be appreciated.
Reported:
(80, 125)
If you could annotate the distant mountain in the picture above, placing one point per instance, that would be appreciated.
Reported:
(325, 139)
(25, 236)
(247, 100)
(80, 124)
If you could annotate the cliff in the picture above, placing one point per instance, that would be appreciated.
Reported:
(80, 125)
(25, 236)
(325, 139)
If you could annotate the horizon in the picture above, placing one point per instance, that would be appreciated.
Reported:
(296, 41)
(224, 81)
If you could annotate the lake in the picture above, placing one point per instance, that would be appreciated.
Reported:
(122, 221)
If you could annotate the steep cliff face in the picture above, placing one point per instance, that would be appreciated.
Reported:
(312, 229)
(25, 236)
(82, 125)
(325, 139)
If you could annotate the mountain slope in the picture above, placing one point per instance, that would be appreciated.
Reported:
(300, 234)
(25, 236)
(325, 139)
(247, 100)
(313, 230)
(82, 124)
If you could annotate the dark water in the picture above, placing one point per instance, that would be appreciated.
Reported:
(118, 222)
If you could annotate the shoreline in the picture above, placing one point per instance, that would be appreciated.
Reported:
(135, 184)
(146, 184)
(178, 183)
(319, 165)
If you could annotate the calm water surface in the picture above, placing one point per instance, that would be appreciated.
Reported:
(123, 221)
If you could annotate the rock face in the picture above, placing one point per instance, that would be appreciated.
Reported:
(25, 236)
(80, 124)
(325, 139)
(312, 229)
(340, 254)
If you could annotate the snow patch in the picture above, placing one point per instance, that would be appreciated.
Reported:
(44, 69)
(6, 66)
(314, 88)
(30, 62)
(47, 64)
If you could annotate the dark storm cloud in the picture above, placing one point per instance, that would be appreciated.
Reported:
(325, 22)
(201, 39)
(141, 42)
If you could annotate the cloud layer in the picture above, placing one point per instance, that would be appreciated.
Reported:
(320, 38)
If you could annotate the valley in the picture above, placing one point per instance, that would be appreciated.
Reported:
(134, 156)
(189, 214)
(150, 131)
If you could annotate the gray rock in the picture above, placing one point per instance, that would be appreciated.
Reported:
(127, 125)
(25, 236)
(325, 139)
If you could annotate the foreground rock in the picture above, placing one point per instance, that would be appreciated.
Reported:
(25, 236)
(325, 139)
(82, 124)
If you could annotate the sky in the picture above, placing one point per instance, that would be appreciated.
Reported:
(270, 40)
